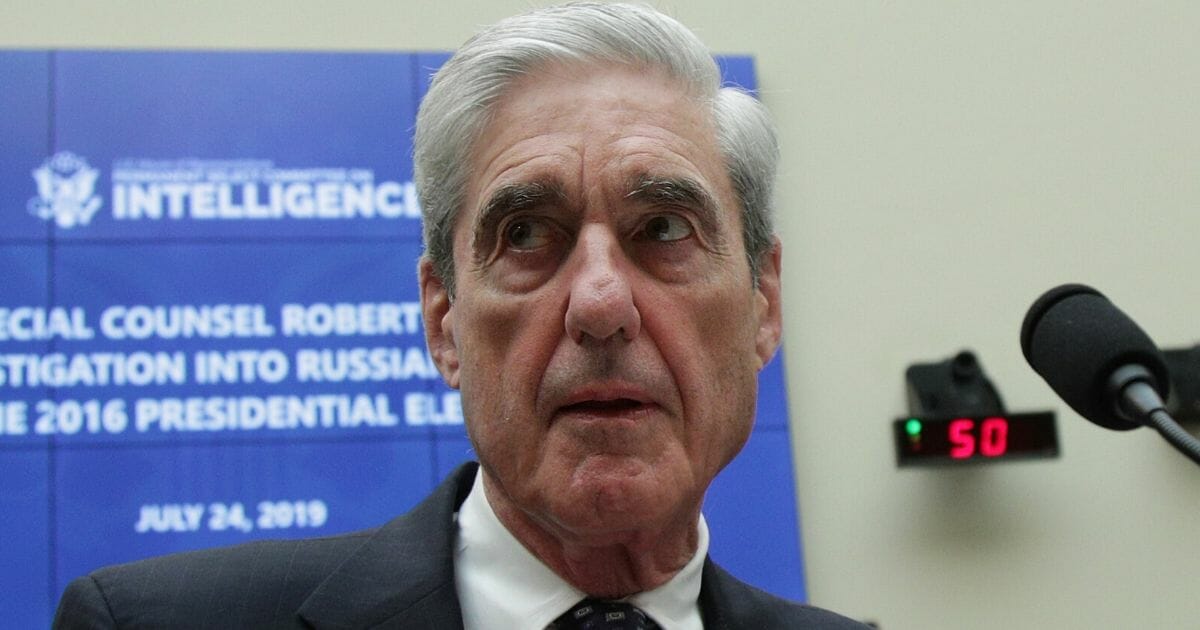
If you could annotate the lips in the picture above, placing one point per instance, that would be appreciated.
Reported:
(604, 406)
(607, 401)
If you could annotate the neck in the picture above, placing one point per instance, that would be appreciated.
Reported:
(603, 564)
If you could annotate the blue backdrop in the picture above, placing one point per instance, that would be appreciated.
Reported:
(209, 328)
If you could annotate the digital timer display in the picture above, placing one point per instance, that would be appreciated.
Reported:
(976, 439)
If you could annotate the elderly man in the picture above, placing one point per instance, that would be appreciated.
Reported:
(602, 284)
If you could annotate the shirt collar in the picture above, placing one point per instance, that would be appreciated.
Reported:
(502, 585)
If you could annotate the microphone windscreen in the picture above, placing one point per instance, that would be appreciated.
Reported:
(1076, 338)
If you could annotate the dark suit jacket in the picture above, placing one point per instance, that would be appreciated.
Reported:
(400, 575)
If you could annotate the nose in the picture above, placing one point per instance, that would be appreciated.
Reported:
(600, 304)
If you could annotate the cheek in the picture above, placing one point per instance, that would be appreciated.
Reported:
(504, 343)
(713, 359)
(725, 328)
(487, 343)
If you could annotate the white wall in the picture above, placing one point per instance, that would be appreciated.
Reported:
(944, 163)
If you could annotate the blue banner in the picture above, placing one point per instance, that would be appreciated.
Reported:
(210, 329)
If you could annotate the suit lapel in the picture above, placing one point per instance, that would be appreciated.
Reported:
(718, 607)
(403, 576)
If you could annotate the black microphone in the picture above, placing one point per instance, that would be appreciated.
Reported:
(1101, 363)
(1076, 339)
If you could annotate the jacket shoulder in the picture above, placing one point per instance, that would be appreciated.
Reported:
(728, 602)
(399, 572)
(256, 584)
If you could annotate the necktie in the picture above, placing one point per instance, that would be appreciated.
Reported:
(597, 614)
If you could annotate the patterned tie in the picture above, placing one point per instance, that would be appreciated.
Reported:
(597, 614)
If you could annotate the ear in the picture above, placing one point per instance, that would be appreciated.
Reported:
(437, 313)
(769, 311)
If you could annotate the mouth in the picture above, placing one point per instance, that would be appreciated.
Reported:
(610, 403)
(614, 406)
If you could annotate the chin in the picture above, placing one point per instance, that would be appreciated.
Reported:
(621, 491)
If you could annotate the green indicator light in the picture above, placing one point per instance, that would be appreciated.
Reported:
(913, 427)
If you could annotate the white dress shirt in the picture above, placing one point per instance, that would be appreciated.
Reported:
(502, 586)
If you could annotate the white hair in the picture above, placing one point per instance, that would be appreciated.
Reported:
(459, 104)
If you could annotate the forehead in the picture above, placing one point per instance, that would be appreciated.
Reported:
(584, 128)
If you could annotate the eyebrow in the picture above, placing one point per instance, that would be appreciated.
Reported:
(507, 200)
(682, 191)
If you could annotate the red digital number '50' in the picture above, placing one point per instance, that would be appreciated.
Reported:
(992, 442)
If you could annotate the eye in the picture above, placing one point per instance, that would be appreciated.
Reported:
(665, 228)
(527, 233)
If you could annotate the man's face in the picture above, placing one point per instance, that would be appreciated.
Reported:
(605, 332)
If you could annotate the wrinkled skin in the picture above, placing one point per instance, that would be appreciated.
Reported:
(605, 332)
